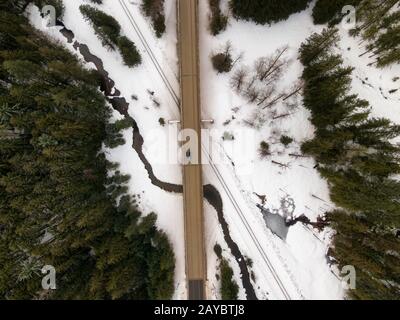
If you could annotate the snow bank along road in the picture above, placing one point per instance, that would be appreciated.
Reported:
(232, 195)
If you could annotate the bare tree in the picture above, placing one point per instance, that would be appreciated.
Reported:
(239, 78)
(282, 165)
(296, 88)
(251, 92)
(228, 48)
(280, 116)
(265, 94)
(238, 58)
(258, 85)
(267, 66)
(297, 156)
(274, 100)
(261, 65)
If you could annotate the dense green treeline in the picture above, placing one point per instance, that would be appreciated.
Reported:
(266, 11)
(355, 154)
(61, 202)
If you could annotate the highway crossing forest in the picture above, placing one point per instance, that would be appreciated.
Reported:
(329, 149)
(59, 204)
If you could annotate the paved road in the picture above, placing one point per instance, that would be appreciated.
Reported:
(192, 173)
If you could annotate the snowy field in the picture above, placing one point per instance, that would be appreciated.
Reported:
(302, 254)
(299, 260)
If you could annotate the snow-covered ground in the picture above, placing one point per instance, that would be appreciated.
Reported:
(371, 83)
(299, 261)
(301, 257)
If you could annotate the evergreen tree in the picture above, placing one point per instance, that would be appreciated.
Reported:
(229, 288)
(105, 26)
(218, 21)
(326, 11)
(129, 52)
(266, 11)
(378, 26)
(155, 10)
(108, 30)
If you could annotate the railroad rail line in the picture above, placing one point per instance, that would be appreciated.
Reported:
(150, 53)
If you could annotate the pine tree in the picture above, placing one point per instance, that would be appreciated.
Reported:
(266, 11)
(326, 11)
(229, 288)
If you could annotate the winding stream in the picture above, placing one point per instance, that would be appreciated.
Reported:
(214, 198)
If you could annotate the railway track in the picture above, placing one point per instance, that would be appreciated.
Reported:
(247, 226)
(150, 53)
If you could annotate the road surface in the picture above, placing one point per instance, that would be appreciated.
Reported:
(192, 173)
